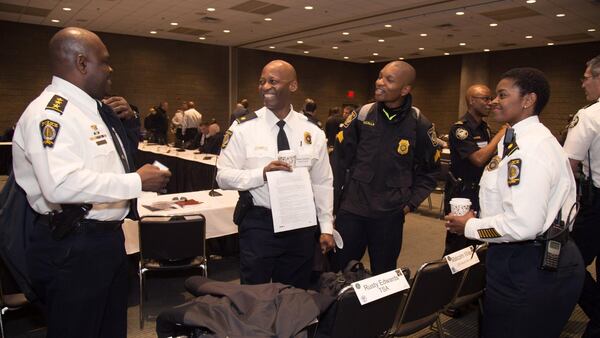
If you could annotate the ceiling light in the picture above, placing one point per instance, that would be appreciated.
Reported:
(345, 33)
(226, 31)
(201, 38)
(421, 48)
(400, 58)
(381, 40)
(55, 20)
(210, 9)
(335, 47)
(530, 1)
(493, 24)
(153, 32)
(66, 9)
(375, 54)
(268, 19)
(388, 26)
(271, 47)
(308, 8)
(371, 61)
(446, 53)
(591, 29)
(346, 58)
(560, 15)
(423, 34)
(462, 44)
(460, 13)
(299, 41)
(486, 50)
(174, 23)
(306, 52)
(528, 36)
(550, 43)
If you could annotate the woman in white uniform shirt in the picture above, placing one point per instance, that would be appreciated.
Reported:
(522, 191)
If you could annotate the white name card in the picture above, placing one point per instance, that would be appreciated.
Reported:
(377, 287)
(462, 259)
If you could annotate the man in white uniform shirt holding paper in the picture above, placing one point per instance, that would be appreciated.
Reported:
(249, 151)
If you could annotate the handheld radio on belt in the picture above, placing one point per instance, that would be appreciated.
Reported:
(554, 238)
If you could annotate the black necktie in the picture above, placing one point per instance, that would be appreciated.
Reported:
(282, 141)
(115, 127)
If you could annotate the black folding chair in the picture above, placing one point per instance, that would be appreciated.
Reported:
(170, 243)
(11, 298)
(430, 292)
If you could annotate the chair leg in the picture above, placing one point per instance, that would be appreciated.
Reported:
(429, 201)
(442, 206)
(141, 274)
(2, 324)
(440, 327)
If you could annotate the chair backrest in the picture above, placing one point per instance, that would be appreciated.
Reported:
(473, 283)
(431, 290)
(444, 169)
(369, 320)
(172, 238)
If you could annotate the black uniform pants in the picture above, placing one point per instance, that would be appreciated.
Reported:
(522, 300)
(81, 281)
(586, 233)
(383, 237)
(265, 256)
(455, 242)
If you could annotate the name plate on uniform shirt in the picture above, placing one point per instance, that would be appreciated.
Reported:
(482, 144)
(380, 286)
(462, 259)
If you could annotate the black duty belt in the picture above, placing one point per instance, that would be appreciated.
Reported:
(86, 225)
(519, 243)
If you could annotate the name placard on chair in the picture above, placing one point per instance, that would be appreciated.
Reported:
(462, 259)
(380, 286)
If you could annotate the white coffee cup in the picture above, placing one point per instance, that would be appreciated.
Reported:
(287, 156)
(460, 206)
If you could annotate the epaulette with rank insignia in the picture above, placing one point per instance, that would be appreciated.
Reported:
(57, 103)
(246, 118)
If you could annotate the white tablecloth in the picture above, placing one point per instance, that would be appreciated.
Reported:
(190, 155)
(218, 212)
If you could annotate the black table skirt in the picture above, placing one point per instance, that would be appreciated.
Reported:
(5, 159)
(187, 175)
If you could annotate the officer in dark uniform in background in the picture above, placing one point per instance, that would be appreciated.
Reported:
(309, 110)
(386, 163)
(470, 151)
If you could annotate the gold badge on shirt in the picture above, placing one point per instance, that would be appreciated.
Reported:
(49, 130)
(307, 138)
(514, 172)
(493, 165)
(226, 138)
(403, 146)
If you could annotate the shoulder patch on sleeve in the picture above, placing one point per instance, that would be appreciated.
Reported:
(226, 138)
(574, 121)
(49, 130)
(350, 118)
(57, 103)
(433, 136)
(461, 133)
(514, 172)
(488, 233)
(246, 118)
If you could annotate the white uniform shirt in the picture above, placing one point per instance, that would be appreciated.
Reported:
(82, 166)
(584, 135)
(545, 185)
(191, 119)
(253, 144)
(177, 119)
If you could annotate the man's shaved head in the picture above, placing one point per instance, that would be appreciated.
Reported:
(478, 99)
(284, 68)
(276, 84)
(394, 83)
(80, 57)
(405, 71)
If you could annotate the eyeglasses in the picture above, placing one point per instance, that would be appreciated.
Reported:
(585, 78)
(484, 98)
(179, 198)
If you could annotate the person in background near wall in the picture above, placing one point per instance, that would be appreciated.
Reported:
(176, 122)
(583, 147)
(161, 122)
(191, 121)
(333, 125)
(240, 110)
(310, 111)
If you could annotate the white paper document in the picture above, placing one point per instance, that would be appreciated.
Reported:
(292, 200)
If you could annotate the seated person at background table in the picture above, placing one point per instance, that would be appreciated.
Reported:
(200, 137)
(471, 148)
(249, 151)
(526, 188)
(214, 140)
